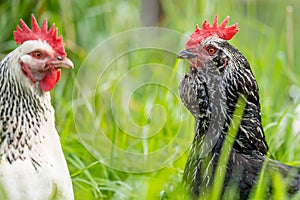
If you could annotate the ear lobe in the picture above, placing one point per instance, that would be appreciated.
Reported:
(225, 62)
(221, 62)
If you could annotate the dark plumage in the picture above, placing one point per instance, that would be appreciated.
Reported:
(220, 75)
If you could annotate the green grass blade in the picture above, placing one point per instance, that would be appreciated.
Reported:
(227, 146)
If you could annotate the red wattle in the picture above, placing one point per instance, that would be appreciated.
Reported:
(50, 80)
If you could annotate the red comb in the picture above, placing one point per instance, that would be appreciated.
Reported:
(208, 30)
(50, 36)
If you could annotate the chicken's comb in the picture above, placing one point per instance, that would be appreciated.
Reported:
(24, 34)
(208, 30)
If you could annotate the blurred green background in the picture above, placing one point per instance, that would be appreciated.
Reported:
(268, 38)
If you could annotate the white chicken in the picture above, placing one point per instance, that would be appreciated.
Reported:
(32, 163)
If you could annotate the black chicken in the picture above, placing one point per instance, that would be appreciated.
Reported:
(220, 75)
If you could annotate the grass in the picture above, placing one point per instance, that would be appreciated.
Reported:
(122, 144)
(225, 152)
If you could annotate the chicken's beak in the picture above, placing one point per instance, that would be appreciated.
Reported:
(185, 54)
(63, 63)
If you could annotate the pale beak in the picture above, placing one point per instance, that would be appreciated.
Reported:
(185, 54)
(63, 63)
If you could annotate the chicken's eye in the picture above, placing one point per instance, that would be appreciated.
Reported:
(211, 50)
(37, 54)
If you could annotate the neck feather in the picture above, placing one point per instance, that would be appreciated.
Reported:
(23, 110)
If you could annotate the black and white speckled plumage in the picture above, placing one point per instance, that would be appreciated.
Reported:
(211, 91)
(21, 113)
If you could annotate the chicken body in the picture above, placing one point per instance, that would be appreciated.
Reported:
(32, 164)
(220, 75)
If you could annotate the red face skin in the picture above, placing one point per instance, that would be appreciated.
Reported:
(197, 56)
(44, 68)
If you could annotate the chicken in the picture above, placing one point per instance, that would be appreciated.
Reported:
(32, 164)
(219, 76)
